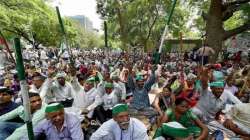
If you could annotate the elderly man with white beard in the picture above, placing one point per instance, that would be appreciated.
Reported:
(121, 127)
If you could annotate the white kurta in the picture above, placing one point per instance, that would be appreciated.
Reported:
(110, 130)
(43, 55)
(109, 100)
(62, 92)
(77, 92)
(44, 91)
(93, 98)
(87, 100)
(121, 90)
(3, 59)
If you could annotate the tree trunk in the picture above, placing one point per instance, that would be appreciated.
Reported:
(121, 21)
(214, 28)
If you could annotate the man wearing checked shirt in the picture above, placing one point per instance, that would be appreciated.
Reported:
(140, 89)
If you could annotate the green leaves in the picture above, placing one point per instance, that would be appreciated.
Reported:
(141, 22)
(34, 21)
(83, 38)
(235, 21)
(239, 17)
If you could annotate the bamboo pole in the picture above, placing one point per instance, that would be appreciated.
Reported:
(24, 88)
(64, 34)
(106, 34)
(166, 27)
(107, 49)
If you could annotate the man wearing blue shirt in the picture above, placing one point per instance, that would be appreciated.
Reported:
(6, 104)
(37, 112)
(59, 125)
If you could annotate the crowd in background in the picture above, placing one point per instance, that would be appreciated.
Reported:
(127, 96)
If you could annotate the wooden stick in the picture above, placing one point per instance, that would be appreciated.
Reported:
(7, 48)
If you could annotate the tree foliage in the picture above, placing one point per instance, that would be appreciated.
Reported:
(223, 19)
(141, 22)
(31, 19)
(235, 13)
(85, 38)
(34, 21)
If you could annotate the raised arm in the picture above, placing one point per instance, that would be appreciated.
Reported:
(131, 83)
(149, 83)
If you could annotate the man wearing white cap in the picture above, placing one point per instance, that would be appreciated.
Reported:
(62, 89)
(119, 87)
(212, 100)
(104, 111)
(86, 97)
(121, 127)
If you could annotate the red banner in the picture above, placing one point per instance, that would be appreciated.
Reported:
(2, 41)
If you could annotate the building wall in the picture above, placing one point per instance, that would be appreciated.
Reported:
(84, 21)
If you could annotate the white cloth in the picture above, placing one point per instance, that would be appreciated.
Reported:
(215, 125)
(91, 99)
(158, 71)
(109, 100)
(101, 87)
(44, 91)
(120, 89)
(110, 130)
(62, 92)
(240, 114)
(116, 72)
(85, 100)
(3, 59)
(26, 54)
(208, 105)
(233, 89)
(34, 89)
(43, 55)
(78, 94)
(65, 54)
(160, 138)
(228, 98)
